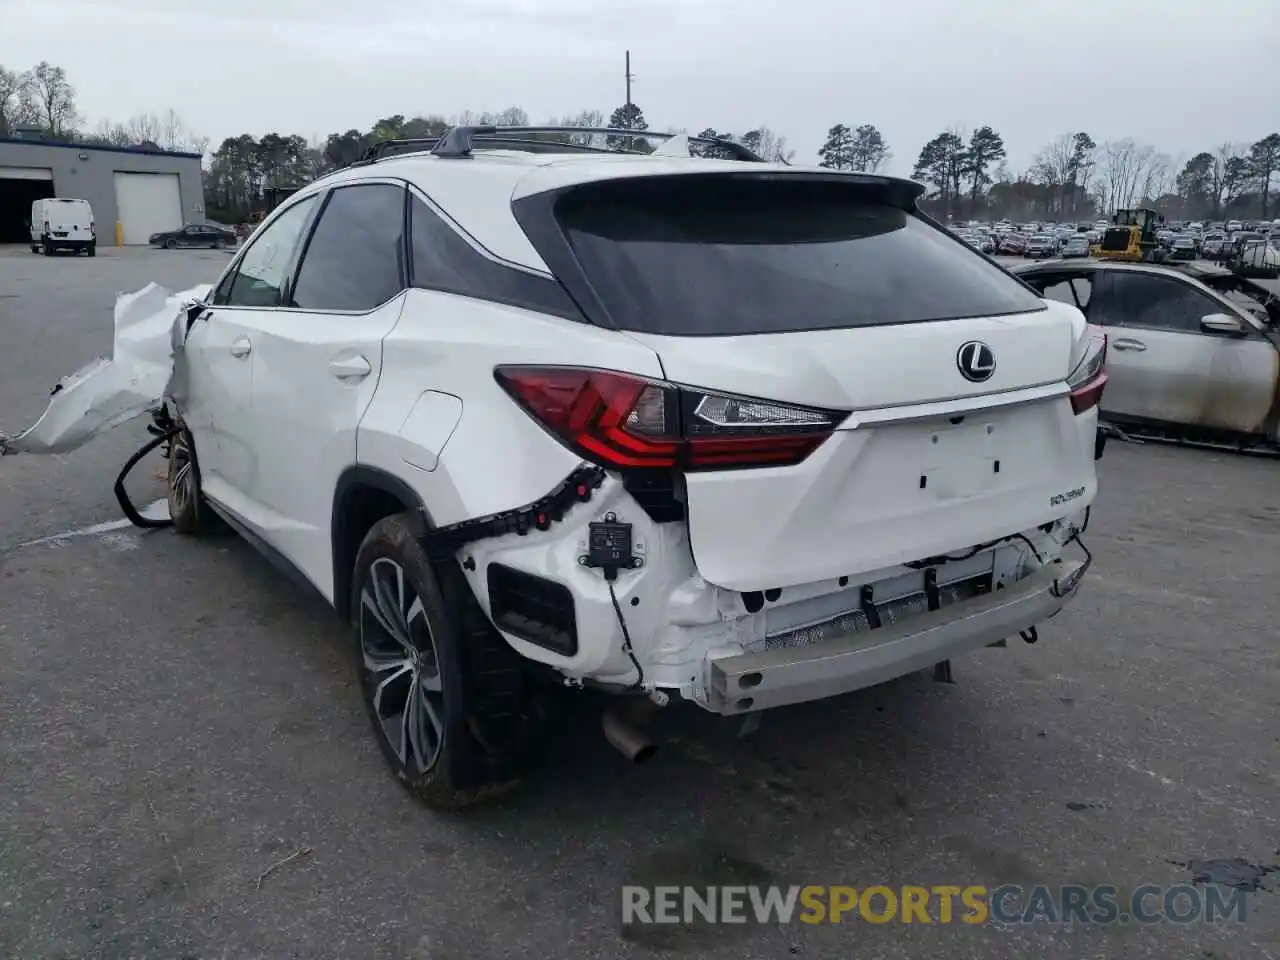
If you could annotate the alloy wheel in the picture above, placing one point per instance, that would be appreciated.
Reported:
(400, 667)
(182, 487)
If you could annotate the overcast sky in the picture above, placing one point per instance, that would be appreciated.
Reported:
(1173, 73)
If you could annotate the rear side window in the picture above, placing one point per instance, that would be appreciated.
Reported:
(355, 258)
(703, 256)
(443, 260)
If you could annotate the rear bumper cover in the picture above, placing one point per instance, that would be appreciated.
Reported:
(773, 678)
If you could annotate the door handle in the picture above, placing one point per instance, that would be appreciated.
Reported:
(350, 368)
(1127, 343)
(241, 348)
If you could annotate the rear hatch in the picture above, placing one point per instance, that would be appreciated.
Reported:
(70, 219)
(942, 376)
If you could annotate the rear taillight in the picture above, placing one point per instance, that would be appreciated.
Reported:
(1089, 377)
(91, 233)
(623, 421)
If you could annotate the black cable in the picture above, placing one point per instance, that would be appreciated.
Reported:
(626, 639)
(122, 496)
(1030, 546)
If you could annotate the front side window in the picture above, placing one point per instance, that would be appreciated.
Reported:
(258, 280)
(1070, 290)
(355, 259)
(1132, 299)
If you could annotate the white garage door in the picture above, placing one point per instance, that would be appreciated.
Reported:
(148, 203)
(25, 173)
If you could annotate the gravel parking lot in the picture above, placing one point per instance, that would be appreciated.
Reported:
(187, 771)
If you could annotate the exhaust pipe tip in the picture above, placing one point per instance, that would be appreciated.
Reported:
(626, 737)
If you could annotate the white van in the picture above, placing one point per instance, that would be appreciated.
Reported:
(60, 223)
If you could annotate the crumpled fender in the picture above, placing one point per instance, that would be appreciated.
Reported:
(150, 330)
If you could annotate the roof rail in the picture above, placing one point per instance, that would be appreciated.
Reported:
(380, 147)
(460, 141)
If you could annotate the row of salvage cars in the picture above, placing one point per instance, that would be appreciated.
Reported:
(1193, 348)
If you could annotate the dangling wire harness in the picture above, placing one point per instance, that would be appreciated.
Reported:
(164, 431)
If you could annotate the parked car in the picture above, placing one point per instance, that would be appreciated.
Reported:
(1183, 248)
(1013, 245)
(1213, 244)
(1042, 245)
(517, 441)
(1077, 246)
(1258, 258)
(62, 223)
(1194, 349)
(196, 235)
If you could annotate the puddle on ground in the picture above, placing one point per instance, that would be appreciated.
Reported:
(1235, 872)
(701, 864)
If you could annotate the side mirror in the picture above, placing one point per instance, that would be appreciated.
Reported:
(1222, 323)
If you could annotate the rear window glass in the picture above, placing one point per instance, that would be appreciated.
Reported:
(701, 256)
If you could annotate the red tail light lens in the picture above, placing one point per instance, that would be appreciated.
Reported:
(1089, 378)
(623, 421)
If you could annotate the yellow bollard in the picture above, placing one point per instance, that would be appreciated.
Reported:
(119, 234)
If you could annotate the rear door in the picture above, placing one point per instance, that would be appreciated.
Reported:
(316, 364)
(1165, 368)
(830, 294)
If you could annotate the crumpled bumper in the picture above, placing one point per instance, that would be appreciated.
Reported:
(778, 677)
(144, 369)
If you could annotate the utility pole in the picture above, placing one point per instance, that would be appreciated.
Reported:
(629, 77)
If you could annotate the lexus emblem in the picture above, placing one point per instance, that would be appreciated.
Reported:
(977, 361)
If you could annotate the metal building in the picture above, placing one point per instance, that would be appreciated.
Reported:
(145, 191)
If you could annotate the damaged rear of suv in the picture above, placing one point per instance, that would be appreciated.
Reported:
(659, 425)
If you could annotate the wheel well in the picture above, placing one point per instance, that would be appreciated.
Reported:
(363, 497)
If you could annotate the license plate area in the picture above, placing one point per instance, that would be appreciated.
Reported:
(961, 460)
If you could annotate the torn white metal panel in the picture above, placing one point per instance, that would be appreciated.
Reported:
(150, 328)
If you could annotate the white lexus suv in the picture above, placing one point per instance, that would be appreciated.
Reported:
(661, 424)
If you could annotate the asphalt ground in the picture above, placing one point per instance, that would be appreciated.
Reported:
(186, 770)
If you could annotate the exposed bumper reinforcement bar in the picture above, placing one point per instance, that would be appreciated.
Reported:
(775, 678)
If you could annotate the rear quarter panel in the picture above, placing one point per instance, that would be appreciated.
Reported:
(492, 456)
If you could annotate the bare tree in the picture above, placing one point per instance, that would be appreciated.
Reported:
(769, 144)
(1052, 165)
(173, 132)
(15, 100)
(54, 97)
(583, 118)
(1123, 166)
(112, 134)
(145, 128)
(1157, 173)
(1225, 178)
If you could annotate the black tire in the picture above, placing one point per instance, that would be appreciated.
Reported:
(170, 244)
(35, 248)
(216, 245)
(421, 638)
(190, 513)
(92, 249)
(48, 250)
